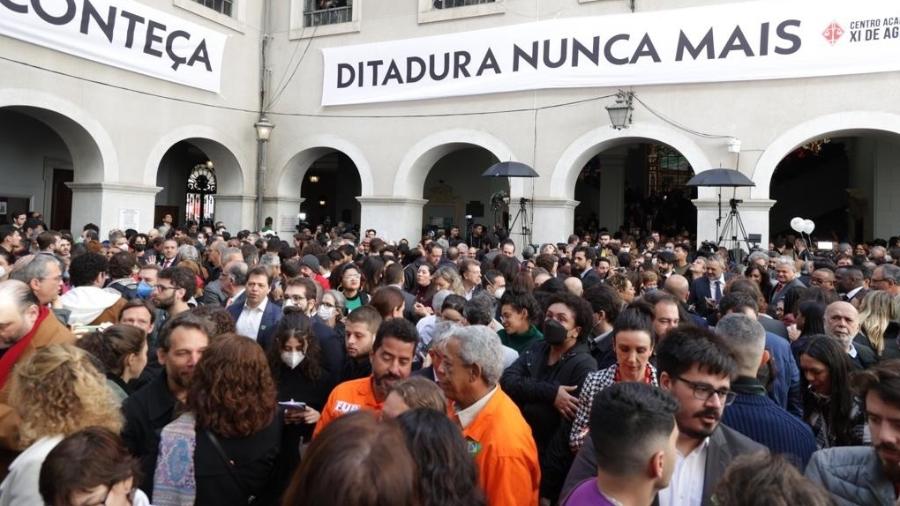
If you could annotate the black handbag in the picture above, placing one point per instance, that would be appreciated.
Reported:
(229, 464)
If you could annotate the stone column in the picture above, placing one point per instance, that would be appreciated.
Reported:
(554, 221)
(112, 205)
(394, 218)
(284, 212)
(236, 211)
(754, 215)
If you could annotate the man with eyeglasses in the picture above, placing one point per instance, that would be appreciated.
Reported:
(886, 277)
(174, 288)
(696, 367)
(822, 278)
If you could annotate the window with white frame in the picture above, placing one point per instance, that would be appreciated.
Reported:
(220, 6)
(447, 10)
(448, 4)
(327, 12)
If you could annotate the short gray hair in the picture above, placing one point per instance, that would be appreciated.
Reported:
(437, 302)
(13, 291)
(442, 331)
(891, 272)
(188, 252)
(481, 345)
(788, 261)
(36, 268)
(758, 255)
(270, 260)
(747, 339)
(238, 273)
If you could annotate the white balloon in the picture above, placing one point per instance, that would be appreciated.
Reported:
(797, 224)
(808, 226)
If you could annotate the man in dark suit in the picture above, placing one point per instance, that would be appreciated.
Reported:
(706, 291)
(583, 266)
(696, 367)
(787, 276)
(254, 314)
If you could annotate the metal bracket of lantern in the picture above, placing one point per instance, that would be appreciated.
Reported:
(620, 112)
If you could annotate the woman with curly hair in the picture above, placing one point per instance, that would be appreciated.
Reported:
(623, 285)
(57, 392)
(223, 449)
(448, 278)
(296, 361)
(122, 350)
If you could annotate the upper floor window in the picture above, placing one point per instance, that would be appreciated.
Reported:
(446, 4)
(220, 6)
(327, 12)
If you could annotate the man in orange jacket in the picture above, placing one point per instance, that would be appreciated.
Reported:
(391, 356)
(496, 434)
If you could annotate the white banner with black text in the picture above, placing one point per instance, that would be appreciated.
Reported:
(728, 42)
(123, 34)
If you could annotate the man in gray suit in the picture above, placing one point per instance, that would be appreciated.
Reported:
(696, 367)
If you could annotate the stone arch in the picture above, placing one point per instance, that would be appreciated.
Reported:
(850, 123)
(229, 173)
(410, 178)
(287, 180)
(93, 154)
(577, 154)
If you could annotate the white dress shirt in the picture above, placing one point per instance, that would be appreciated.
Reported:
(248, 322)
(468, 415)
(686, 485)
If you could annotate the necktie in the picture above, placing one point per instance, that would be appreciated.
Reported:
(718, 294)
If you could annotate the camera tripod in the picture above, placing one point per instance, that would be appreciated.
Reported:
(522, 218)
(734, 230)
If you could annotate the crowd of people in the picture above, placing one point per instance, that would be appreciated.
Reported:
(188, 365)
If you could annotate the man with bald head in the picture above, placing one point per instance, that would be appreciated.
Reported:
(842, 324)
(680, 288)
(822, 278)
(850, 283)
(25, 326)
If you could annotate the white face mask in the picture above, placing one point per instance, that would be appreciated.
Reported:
(499, 292)
(288, 302)
(326, 312)
(292, 358)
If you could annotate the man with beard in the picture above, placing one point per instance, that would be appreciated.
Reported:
(175, 286)
(696, 367)
(583, 266)
(181, 344)
(842, 324)
(867, 474)
(391, 356)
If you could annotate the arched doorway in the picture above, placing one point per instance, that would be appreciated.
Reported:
(634, 187)
(191, 173)
(844, 181)
(329, 189)
(458, 196)
(41, 152)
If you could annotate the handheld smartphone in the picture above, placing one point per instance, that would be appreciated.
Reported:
(300, 406)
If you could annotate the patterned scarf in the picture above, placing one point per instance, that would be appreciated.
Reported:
(174, 483)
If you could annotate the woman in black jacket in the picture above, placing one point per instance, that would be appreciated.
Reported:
(295, 359)
(545, 379)
(238, 430)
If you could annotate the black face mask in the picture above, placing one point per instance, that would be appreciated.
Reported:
(140, 247)
(554, 332)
